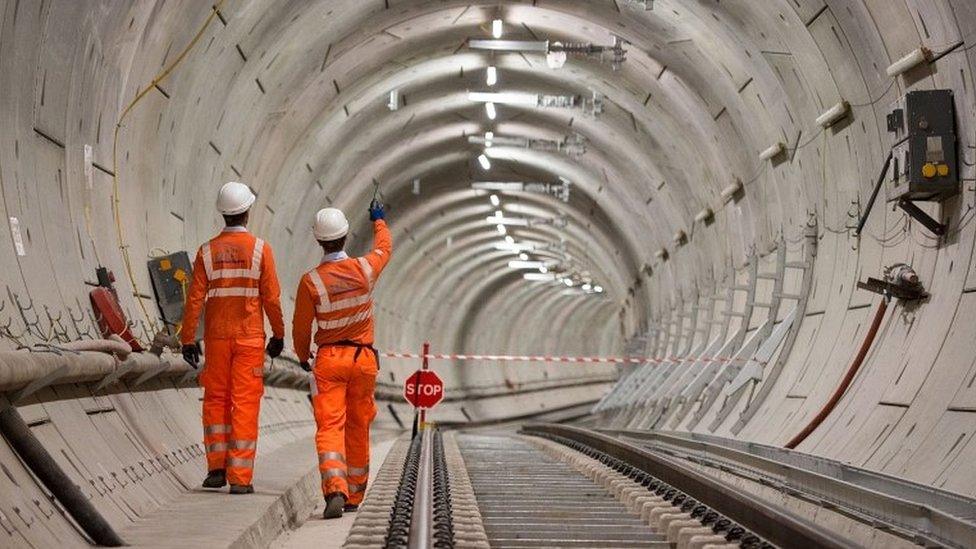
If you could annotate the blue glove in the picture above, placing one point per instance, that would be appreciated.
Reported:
(376, 211)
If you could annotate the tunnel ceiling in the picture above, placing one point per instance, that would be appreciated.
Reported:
(298, 92)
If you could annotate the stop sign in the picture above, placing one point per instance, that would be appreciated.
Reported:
(423, 389)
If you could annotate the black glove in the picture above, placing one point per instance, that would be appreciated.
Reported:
(275, 346)
(305, 366)
(191, 354)
(376, 210)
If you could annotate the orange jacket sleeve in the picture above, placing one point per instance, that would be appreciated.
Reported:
(382, 247)
(271, 293)
(301, 325)
(194, 301)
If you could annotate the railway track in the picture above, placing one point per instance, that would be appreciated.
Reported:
(529, 498)
(559, 486)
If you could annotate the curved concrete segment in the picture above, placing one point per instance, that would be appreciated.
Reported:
(717, 176)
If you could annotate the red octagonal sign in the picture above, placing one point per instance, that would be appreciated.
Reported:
(423, 389)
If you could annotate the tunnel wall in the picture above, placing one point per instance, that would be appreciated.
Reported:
(909, 410)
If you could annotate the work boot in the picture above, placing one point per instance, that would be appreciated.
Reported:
(242, 488)
(215, 479)
(334, 503)
(350, 508)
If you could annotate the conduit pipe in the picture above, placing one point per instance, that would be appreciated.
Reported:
(37, 459)
(113, 345)
(848, 378)
(19, 368)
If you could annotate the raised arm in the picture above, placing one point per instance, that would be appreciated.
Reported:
(382, 247)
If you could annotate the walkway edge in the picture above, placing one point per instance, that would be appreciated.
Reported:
(289, 511)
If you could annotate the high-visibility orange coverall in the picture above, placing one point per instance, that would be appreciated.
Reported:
(338, 296)
(234, 275)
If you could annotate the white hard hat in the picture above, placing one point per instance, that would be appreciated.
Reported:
(330, 224)
(234, 198)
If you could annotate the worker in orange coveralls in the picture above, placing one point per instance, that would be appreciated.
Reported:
(338, 296)
(234, 279)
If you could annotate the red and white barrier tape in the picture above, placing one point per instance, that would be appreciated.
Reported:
(562, 359)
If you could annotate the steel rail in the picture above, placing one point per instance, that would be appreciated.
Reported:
(773, 524)
(909, 509)
(422, 521)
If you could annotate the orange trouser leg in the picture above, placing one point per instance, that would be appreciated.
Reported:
(215, 380)
(247, 388)
(360, 411)
(332, 368)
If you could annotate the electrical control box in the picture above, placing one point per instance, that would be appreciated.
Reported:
(924, 164)
(171, 277)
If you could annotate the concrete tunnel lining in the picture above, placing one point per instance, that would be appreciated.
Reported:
(291, 99)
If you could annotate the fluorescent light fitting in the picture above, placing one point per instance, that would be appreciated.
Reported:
(526, 265)
(523, 46)
(832, 115)
(497, 28)
(501, 229)
(491, 75)
(494, 200)
(505, 98)
(773, 151)
(914, 58)
(497, 186)
(539, 277)
(490, 110)
(513, 247)
(485, 164)
(512, 221)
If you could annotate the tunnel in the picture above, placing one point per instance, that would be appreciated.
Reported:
(690, 225)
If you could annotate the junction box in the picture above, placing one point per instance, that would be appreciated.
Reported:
(925, 166)
(171, 275)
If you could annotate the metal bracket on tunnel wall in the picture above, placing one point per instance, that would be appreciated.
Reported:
(727, 382)
(771, 372)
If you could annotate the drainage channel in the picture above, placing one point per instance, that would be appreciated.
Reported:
(528, 498)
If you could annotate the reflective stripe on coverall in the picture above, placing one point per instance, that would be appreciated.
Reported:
(234, 279)
(337, 296)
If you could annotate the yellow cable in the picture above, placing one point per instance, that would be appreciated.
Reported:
(123, 247)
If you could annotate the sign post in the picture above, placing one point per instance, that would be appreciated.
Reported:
(424, 389)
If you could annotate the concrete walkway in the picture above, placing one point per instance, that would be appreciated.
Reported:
(285, 482)
(287, 494)
(319, 533)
